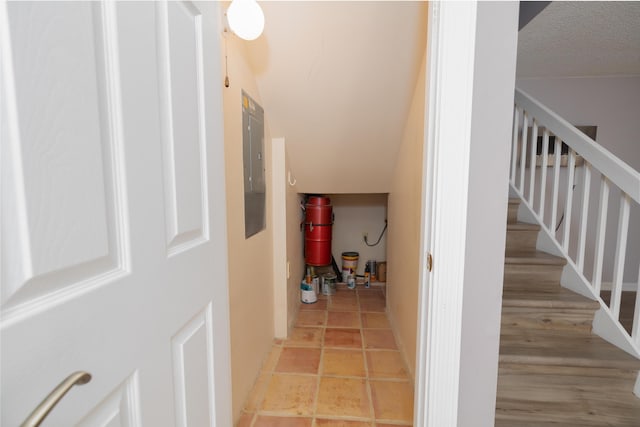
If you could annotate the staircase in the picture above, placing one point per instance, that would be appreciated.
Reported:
(553, 370)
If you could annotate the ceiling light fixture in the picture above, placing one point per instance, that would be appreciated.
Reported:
(246, 19)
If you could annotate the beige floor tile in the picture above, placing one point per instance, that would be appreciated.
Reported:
(271, 359)
(392, 400)
(321, 422)
(343, 397)
(321, 304)
(375, 305)
(370, 292)
(375, 320)
(299, 360)
(345, 292)
(290, 395)
(343, 319)
(327, 339)
(343, 304)
(379, 339)
(311, 318)
(349, 338)
(305, 337)
(267, 421)
(245, 420)
(386, 364)
(343, 363)
(373, 296)
(257, 393)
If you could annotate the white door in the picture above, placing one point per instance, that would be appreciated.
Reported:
(113, 224)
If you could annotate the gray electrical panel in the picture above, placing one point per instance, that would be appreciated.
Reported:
(253, 163)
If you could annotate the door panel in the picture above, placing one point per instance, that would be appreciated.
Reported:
(184, 138)
(64, 152)
(119, 409)
(111, 163)
(193, 376)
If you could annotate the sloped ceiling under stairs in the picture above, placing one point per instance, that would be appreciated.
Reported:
(336, 80)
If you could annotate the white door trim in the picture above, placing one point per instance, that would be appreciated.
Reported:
(450, 56)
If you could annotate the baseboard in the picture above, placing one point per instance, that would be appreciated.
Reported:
(401, 346)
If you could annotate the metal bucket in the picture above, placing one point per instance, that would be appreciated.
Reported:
(349, 265)
(307, 294)
(329, 284)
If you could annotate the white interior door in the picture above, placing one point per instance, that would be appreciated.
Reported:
(113, 220)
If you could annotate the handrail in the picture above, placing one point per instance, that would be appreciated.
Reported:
(530, 116)
(619, 172)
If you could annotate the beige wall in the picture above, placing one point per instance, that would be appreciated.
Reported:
(295, 257)
(250, 260)
(403, 244)
(355, 214)
(288, 259)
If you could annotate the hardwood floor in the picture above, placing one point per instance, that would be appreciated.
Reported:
(553, 370)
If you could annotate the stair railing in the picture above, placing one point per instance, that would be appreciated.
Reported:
(550, 199)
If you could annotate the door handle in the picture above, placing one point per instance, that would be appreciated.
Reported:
(40, 413)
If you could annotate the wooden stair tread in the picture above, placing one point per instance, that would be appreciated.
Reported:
(549, 298)
(532, 256)
(522, 226)
(570, 407)
(561, 347)
(541, 395)
(553, 370)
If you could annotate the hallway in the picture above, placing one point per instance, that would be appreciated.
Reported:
(340, 366)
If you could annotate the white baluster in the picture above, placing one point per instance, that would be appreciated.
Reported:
(514, 144)
(523, 153)
(620, 256)
(635, 334)
(571, 169)
(532, 163)
(556, 184)
(543, 174)
(582, 236)
(600, 234)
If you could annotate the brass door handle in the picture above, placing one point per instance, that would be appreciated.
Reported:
(40, 413)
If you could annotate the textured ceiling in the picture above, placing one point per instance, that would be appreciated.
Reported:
(336, 80)
(581, 39)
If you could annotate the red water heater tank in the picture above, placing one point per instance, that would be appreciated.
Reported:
(317, 231)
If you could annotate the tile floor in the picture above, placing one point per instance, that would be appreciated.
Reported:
(340, 366)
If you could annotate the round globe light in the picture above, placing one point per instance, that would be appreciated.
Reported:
(246, 19)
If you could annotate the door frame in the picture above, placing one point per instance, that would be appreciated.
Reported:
(448, 98)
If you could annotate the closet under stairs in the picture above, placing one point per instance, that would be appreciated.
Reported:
(553, 370)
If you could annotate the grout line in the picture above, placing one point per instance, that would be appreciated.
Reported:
(317, 395)
(254, 417)
(372, 410)
(320, 373)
